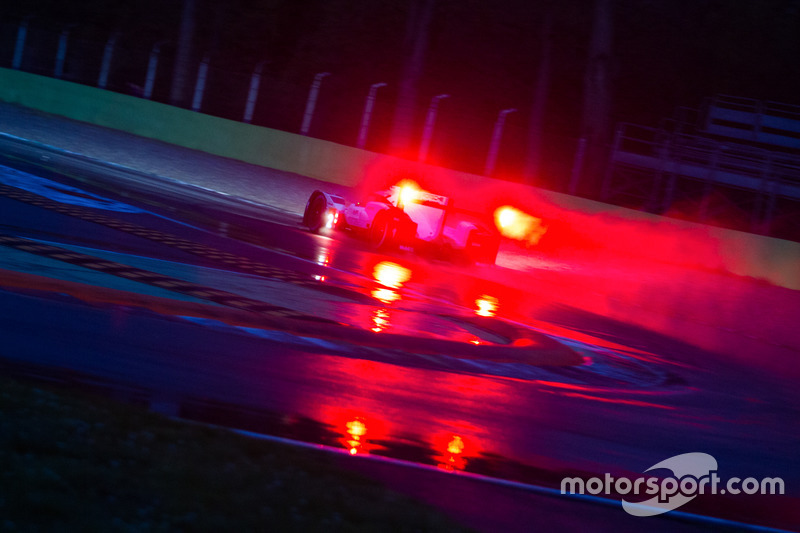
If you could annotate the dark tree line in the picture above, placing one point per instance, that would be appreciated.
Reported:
(572, 68)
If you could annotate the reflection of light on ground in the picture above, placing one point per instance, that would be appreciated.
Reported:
(324, 259)
(452, 456)
(374, 406)
(391, 275)
(386, 296)
(356, 431)
(360, 430)
(455, 446)
(380, 319)
(486, 306)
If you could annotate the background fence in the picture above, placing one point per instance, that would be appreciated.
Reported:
(462, 136)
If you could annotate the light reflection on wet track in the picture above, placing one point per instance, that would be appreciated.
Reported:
(637, 398)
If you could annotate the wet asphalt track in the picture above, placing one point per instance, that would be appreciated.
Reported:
(636, 398)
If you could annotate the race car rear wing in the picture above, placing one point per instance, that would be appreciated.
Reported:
(426, 197)
(420, 197)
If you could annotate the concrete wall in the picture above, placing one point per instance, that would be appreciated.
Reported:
(575, 223)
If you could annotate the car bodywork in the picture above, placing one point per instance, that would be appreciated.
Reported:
(404, 216)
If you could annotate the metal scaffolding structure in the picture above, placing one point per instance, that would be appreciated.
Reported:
(741, 150)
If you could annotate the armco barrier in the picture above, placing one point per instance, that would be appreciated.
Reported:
(574, 222)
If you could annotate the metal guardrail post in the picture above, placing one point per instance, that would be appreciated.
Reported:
(152, 68)
(765, 201)
(61, 54)
(766, 219)
(19, 47)
(105, 67)
(200, 85)
(252, 93)
(705, 202)
(311, 103)
(577, 168)
(672, 179)
(430, 120)
(494, 146)
(367, 114)
(664, 150)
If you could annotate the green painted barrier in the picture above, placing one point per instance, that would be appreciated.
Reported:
(574, 221)
(227, 138)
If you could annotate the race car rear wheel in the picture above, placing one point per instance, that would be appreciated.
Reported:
(382, 232)
(316, 213)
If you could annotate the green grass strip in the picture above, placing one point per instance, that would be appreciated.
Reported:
(72, 462)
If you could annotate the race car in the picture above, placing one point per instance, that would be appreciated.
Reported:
(405, 216)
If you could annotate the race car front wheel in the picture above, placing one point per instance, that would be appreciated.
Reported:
(316, 213)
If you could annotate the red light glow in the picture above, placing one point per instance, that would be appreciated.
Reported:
(331, 219)
(324, 257)
(380, 319)
(386, 296)
(486, 306)
(456, 446)
(519, 225)
(451, 454)
(356, 432)
(409, 191)
(391, 275)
